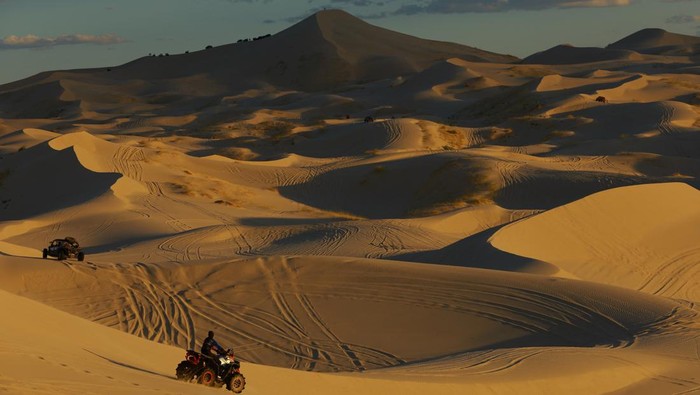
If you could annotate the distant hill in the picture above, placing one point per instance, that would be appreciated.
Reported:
(567, 54)
(325, 50)
(659, 42)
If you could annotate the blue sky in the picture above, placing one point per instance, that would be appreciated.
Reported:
(40, 35)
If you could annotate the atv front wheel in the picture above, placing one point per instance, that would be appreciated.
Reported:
(237, 383)
(207, 377)
(45, 253)
(81, 256)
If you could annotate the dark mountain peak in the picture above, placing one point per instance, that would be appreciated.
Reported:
(658, 42)
(325, 50)
(569, 54)
(335, 15)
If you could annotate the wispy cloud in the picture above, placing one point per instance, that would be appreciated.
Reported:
(683, 19)
(596, 3)
(461, 6)
(297, 18)
(33, 41)
(387, 8)
(361, 3)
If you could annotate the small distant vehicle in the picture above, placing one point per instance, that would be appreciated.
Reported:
(202, 369)
(64, 249)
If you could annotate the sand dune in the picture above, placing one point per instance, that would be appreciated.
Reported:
(41, 180)
(638, 119)
(25, 138)
(557, 319)
(104, 360)
(499, 227)
(377, 189)
(124, 364)
(37, 101)
(358, 139)
(429, 79)
(636, 242)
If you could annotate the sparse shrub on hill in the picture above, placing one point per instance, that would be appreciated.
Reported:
(456, 184)
(500, 133)
(247, 40)
(209, 47)
(272, 130)
(558, 134)
(529, 71)
(238, 153)
(515, 102)
(275, 130)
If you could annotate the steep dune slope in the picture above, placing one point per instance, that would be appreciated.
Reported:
(344, 314)
(74, 355)
(41, 179)
(107, 361)
(641, 237)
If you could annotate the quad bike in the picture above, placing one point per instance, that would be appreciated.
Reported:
(63, 249)
(206, 370)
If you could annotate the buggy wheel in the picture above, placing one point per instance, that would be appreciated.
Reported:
(81, 256)
(61, 255)
(44, 253)
(236, 383)
(207, 377)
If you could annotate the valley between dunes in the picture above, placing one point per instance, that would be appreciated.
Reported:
(500, 226)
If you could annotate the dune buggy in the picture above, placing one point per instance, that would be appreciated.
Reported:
(64, 249)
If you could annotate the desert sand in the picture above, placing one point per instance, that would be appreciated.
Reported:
(502, 226)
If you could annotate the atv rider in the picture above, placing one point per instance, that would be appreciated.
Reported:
(212, 349)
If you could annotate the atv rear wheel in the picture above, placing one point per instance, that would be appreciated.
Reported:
(81, 256)
(237, 383)
(207, 377)
(45, 253)
(184, 371)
